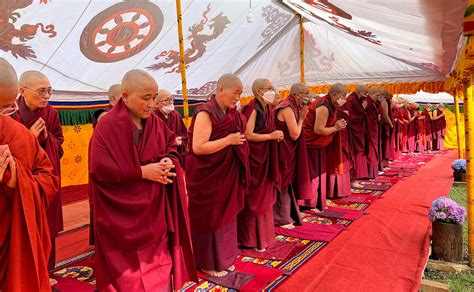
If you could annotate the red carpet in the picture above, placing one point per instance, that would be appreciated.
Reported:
(72, 243)
(386, 250)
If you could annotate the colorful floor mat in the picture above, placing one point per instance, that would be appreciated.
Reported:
(268, 273)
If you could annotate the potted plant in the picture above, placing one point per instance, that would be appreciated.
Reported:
(447, 217)
(459, 170)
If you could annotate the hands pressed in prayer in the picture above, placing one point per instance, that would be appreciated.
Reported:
(179, 140)
(364, 103)
(236, 139)
(303, 112)
(7, 161)
(159, 172)
(340, 124)
(38, 127)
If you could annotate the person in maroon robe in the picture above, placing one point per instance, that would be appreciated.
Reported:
(114, 94)
(294, 180)
(142, 235)
(421, 131)
(321, 130)
(412, 127)
(27, 185)
(439, 127)
(356, 105)
(395, 142)
(405, 121)
(428, 126)
(372, 132)
(387, 135)
(166, 112)
(255, 221)
(217, 177)
(43, 121)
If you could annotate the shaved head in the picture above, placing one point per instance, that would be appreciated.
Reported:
(228, 81)
(337, 88)
(139, 92)
(8, 84)
(229, 89)
(259, 84)
(30, 78)
(114, 93)
(361, 90)
(163, 93)
(298, 88)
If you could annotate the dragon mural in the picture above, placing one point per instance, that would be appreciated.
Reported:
(170, 59)
(13, 39)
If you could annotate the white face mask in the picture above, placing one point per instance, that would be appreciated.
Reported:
(269, 96)
(167, 109)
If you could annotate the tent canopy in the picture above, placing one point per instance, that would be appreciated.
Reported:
(430, 98)
(86, 46)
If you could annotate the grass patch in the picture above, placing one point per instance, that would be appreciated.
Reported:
(462, 281)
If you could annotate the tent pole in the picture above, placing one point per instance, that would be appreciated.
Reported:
(469, 125)
(302, 49)
(182, 64)
(458, 122)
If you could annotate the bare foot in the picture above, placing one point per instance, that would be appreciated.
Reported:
(260, 250)
(231, 268)
(52, 282)
(214, 273)
(288, 226)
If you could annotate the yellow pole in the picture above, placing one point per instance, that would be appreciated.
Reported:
(458, 122)
(302, 49)
(469, 125)
(182, 64)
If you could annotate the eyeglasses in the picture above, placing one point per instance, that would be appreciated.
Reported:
(42, 91)
(9, 110)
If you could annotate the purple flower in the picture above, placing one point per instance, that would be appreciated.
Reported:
(441, 216)
(446, 210)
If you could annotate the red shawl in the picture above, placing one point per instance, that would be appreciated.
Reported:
(131, 213)
(293, 161)
(356, 122)
(372, 130)
(53, 147)
(24, 236)
(333, 141)
(217, 182)
(263, 161)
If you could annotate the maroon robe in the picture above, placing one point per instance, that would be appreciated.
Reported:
(53, 148)
(387, 139)
(324, 152)
(255, 221)
(176, 125)
(214, 199)
(421, 133)
(397, 136)
(295, 183)
(372, 137)
(412, 130)
(141, 227)
(356, 128)
(405, 115)
(439, 129)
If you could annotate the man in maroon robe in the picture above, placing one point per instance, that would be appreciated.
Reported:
(439, 127)
(114, 94)
(255, 221)
(372, 132)
(43, 122)
(412, 127)
(140, 214)
(321, 130)
(355, 105)
(217, 177)
(428, 126)
(166, 112)
(27, 185)
(387, 129)
(294, 181)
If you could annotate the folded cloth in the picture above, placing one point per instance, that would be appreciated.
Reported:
(233, 280)
(263, 275)
(317, 232)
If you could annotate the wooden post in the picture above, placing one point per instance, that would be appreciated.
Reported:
(469, 126)
(302, 49)
(456, 112)
(182, 64)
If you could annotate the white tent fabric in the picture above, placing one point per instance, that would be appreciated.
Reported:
(85, 46)
(432, 98)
